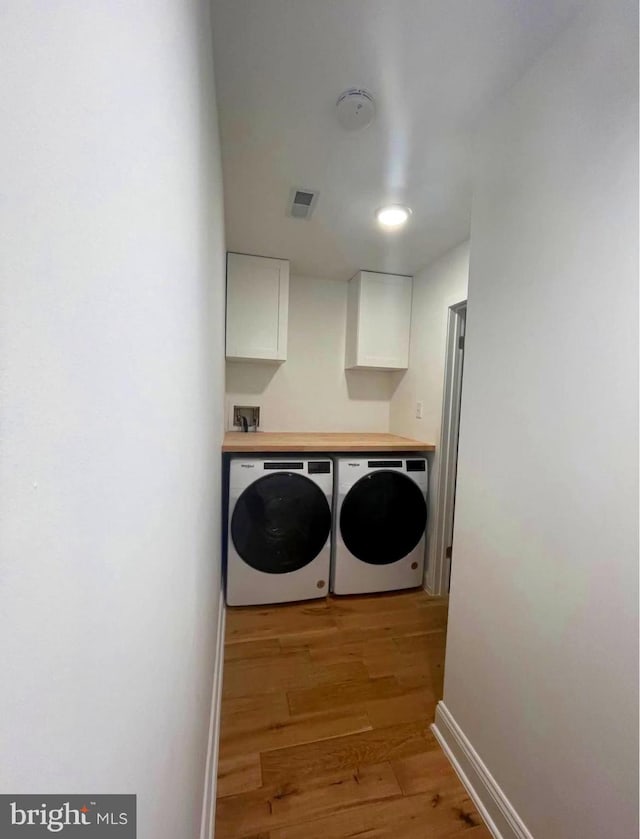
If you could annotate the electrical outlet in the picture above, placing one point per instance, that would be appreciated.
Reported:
(418, 410)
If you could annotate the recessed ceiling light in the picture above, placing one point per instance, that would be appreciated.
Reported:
(393, 216)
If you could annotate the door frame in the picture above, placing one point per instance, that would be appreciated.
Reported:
(439, 570)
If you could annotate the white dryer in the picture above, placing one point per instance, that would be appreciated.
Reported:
(279, 529)
(380, 515)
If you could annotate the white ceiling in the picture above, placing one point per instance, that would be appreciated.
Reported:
(433, 67)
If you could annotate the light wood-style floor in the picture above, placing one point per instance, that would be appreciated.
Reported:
(325, 732)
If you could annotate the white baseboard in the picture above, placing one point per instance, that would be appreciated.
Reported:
(493, 805)
(211, 769)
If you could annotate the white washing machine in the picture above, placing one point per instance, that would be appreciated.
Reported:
(380, 515)
(279, 529)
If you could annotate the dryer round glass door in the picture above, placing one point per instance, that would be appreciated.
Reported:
(383, 517)
(280, 523)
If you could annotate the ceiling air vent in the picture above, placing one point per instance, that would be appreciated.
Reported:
(302, 202)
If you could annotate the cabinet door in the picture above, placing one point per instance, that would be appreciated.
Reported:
(383, 321)
(257, 307)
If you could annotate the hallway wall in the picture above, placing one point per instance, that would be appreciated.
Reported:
(440, 285)
(112, 281)
(541, 670)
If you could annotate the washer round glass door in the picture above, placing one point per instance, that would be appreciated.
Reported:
(383, 517)
(280, 523)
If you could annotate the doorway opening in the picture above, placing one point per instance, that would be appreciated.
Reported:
(441, 555)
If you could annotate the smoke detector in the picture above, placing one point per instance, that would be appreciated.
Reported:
(356, 109)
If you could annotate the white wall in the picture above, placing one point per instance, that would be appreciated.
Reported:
(112, 323)
(311, 391)
(435, 289)
(542, 657)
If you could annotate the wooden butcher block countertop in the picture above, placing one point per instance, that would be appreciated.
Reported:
(271, 441)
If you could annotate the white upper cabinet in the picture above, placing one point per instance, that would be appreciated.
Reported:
(257, 308)
(378, 321)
